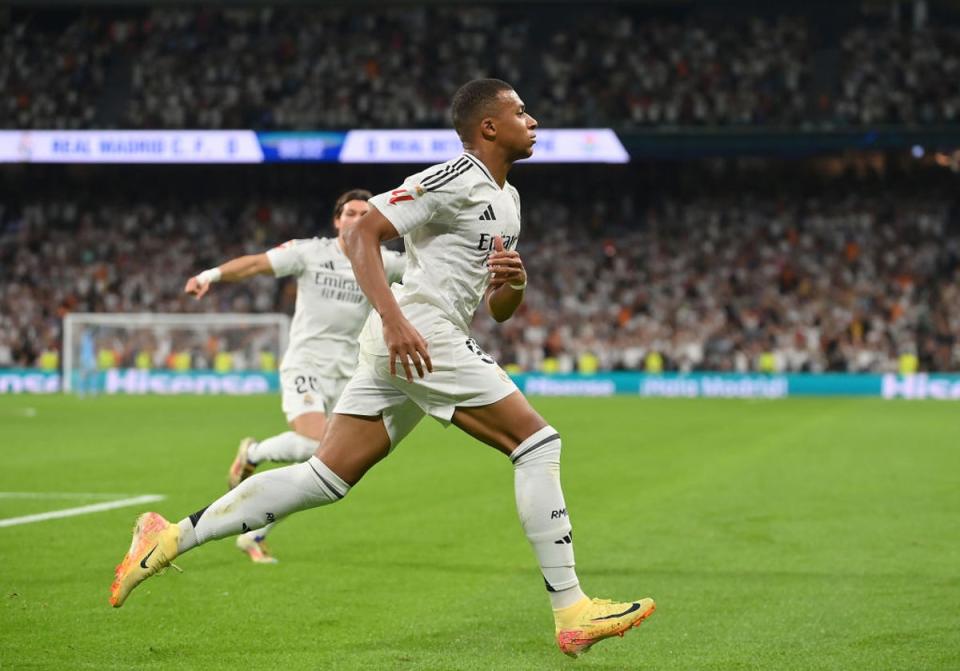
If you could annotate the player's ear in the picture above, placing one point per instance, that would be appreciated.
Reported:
(488, 128)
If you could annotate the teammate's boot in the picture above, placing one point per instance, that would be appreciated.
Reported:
(591, 620)
(256, 549)
(153, 548)
(241, 469)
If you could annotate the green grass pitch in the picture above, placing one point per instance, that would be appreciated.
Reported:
(801, 534)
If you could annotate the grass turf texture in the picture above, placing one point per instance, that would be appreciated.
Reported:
(806, 534)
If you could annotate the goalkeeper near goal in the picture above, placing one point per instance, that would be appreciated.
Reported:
(322, 355)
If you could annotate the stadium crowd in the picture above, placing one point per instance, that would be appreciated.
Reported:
(269, 68)
(742, 284)
(860, 282)
(52, 81)
(59, 256)
(893, 76)
(304, 68)
(626, 71)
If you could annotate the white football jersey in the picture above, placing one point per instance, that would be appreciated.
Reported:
(331, 308)
(448, 216)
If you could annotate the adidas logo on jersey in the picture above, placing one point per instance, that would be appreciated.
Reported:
(488, 214)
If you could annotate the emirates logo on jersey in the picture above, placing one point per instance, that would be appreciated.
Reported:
(486, 242)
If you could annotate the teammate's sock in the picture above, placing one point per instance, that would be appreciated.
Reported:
(261, 499)
(543, 513)
(289, 446)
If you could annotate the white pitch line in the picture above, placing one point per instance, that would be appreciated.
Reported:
(81, 510)
(29, 413)
(59, 495)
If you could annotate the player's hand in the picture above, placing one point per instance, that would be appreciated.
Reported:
(404, 342)
(196, 288)
(505, 265)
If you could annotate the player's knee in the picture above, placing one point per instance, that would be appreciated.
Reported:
(543, 447)
(328, 483)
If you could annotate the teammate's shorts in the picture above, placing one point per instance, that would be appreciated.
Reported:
(463, 376)
(306, 390)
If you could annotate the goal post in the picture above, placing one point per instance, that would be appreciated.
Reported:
(229, 353)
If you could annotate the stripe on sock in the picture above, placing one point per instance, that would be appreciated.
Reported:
(527, 450)
(336, 493)
(197, 515)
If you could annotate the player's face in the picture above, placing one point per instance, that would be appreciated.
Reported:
(516, 130)
(351, 212)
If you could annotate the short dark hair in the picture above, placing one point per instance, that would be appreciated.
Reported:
(352, 194)
(473, 101)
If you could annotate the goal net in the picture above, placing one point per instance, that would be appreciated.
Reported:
(172, 353)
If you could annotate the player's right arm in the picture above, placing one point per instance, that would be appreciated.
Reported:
(286, 259)
(362, 242)
(234, 270)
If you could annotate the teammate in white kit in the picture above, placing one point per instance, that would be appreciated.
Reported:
(460, 222)
(322, 351)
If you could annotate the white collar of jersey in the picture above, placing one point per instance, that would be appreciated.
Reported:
(477, 162)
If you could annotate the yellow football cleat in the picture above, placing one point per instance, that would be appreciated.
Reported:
(256, 549)
(591, 620)
(241, 469)
(154, 546)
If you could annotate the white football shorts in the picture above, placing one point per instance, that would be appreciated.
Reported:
(306, 390)
(463, 376)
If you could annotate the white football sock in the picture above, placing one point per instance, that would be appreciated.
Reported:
(543, 514)
(261, 499)
(289, 446)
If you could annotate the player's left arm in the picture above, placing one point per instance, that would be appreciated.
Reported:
(508, 280)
